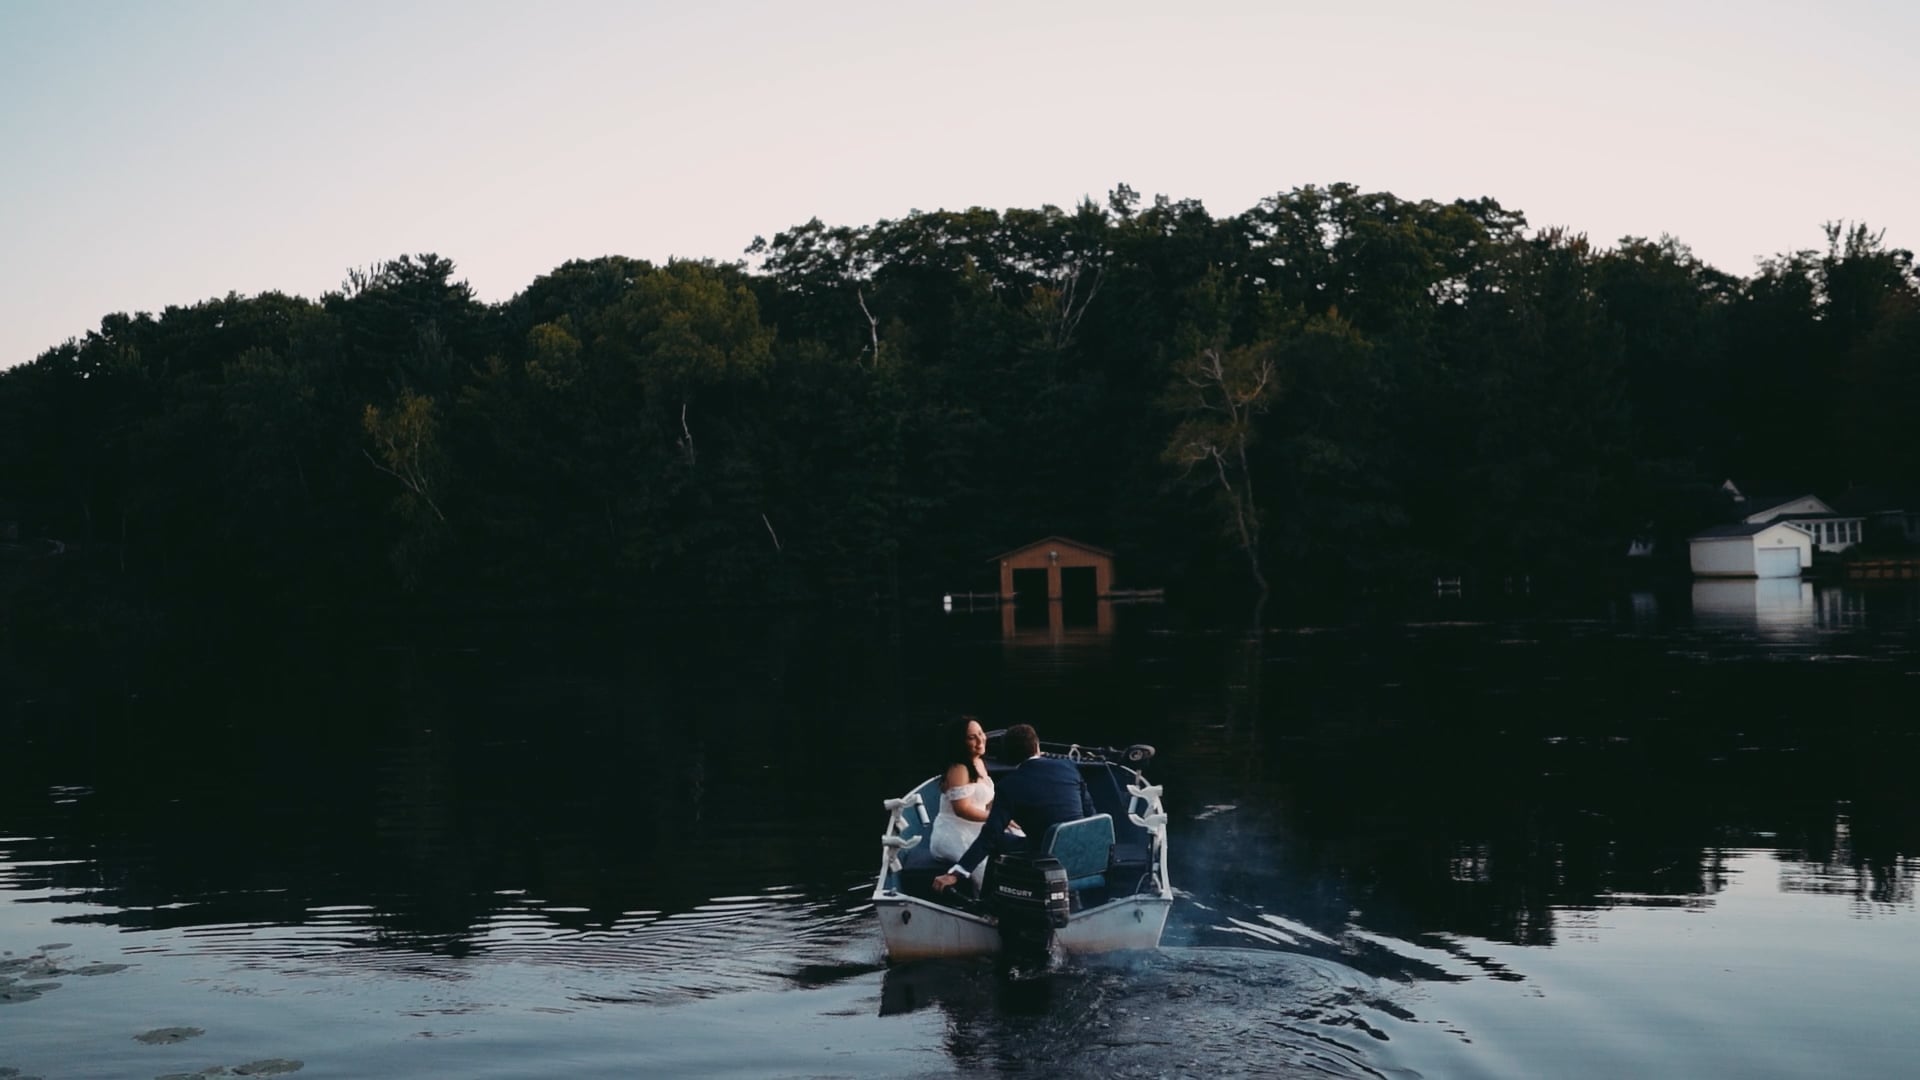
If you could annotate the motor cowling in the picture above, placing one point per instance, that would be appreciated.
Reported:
(1027, 895)
(1028, 889)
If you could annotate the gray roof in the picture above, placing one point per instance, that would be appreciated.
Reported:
(1062, 541)
(1737, 529)
(1810, 516)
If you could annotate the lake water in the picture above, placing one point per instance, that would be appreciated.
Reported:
(1655, 835)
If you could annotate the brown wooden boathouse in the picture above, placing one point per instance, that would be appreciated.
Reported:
(1057, 568)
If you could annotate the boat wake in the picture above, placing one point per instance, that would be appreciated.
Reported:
(1180, 1011)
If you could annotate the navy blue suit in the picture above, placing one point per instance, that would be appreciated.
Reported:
(1041, 791)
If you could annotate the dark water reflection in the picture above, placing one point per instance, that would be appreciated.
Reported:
(1655, 836)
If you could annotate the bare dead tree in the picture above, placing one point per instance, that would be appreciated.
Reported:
(1069, 306)
(873, 325)
(1228, 391)
(410, 476)
(686, 435)
(405, 438)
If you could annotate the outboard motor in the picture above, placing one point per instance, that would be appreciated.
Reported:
(1027, 894)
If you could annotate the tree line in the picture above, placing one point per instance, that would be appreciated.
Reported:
(1332, 389)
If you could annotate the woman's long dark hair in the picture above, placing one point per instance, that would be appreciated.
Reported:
(954, 746)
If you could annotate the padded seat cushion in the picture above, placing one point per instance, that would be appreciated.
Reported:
(1083, 847)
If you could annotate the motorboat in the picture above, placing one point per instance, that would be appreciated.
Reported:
(1095, 885)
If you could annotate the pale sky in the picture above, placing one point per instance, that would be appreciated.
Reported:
(168, 152)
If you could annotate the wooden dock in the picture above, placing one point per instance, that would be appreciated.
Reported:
(973, 600)
(1900, 569)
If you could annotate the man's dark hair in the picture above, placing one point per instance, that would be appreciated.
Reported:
(1022, 742)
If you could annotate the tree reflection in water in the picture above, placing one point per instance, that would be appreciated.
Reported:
(1360, 806)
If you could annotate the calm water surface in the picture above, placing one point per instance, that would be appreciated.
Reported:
(1663, 835)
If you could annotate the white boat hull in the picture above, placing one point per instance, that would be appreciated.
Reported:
(917, 929)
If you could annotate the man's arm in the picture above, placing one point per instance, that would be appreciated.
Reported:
(995, 825)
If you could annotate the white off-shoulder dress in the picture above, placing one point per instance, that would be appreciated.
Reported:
(952, 834)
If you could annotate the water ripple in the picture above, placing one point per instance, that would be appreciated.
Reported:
(724, 944)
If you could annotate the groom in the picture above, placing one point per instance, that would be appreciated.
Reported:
(1039, 792)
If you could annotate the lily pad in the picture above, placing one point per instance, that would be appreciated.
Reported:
(163, 1036)
(14, 995)
(269, 1067)
(56, 946)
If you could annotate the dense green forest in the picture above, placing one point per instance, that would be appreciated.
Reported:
(1332, 390)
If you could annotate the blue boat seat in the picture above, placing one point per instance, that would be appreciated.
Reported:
(1083, 847)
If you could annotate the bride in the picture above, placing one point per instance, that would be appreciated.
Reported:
(966, 793)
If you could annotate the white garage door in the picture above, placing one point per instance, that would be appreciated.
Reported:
(1777, 561)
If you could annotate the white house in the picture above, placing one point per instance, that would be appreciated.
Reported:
(1766, 549)
(1831, 530)
(1892, 516)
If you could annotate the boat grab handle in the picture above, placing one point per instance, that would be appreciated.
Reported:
(892, 846)
(912, 799)
(891, 842)
(1153, 818)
